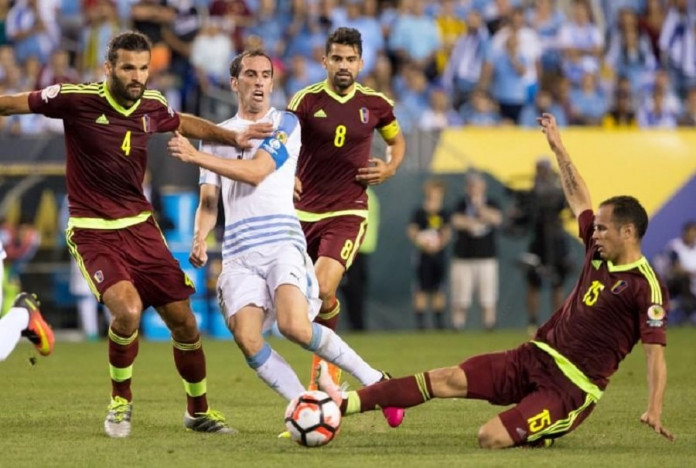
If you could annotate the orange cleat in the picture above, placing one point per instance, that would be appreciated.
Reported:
(333, 370)
(38, 331)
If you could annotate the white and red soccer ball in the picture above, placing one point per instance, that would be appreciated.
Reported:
(313, 419)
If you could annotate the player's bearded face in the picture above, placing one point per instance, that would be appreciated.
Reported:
(128, 76)
(342, 64)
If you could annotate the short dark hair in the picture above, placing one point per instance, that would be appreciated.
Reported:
(628, 210)
(345, 36)
(132, 41)
(236, 65)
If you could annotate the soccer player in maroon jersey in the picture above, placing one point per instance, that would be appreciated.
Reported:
(338, 118)
(111, 231)
(555, 380)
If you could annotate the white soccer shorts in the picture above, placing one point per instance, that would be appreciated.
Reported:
(252, 279)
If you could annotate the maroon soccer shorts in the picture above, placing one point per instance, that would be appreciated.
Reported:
(548, 404)
(338, 237)
(137, 254)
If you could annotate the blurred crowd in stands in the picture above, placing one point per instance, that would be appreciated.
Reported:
(611, 63)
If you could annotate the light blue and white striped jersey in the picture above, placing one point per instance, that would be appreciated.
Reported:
(256, 217)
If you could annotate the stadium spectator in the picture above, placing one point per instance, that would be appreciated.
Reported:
(463, 70)
(429, 231)
(678, 45)
(440, 114)
(474, 265)
(32, 29)
(581, 42)
(543, 104)
(414, 37)
(656, 113)
(588, 102)
(211, 49)
(503, 74)
(680, 272)
(101, 24)
(57, 70)
(622, 114)
(651, 21)
(546, 19)
(480, 111)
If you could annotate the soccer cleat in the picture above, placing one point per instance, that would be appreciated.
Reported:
(210, 421)
(393, 415)
(118, 419)
(333, 370)
(38, 331)
(326, 384)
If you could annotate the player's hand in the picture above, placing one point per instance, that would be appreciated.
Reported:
(550, 129)
(199, 253)
(654, 422)
(297, 191)
(375, 173)
(180, 148)
(254, 131)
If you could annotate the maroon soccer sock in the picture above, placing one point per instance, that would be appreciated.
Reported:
(329, 316)
(400, 393)
(122, 353)
(190, 362)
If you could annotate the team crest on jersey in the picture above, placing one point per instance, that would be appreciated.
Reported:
(99, 276)
(146, 123)
(281, 136)
(364, 115)
(656, 315)
(618, 287)
(50, 92)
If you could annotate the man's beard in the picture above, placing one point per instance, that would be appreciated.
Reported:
(343, 82)
(122, 93)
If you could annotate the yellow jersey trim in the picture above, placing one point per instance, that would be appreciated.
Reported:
(311, 89)
(117, 107)
(99, 223)
(571, 371)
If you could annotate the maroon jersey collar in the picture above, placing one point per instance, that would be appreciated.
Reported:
(118, 107)
(338, 97)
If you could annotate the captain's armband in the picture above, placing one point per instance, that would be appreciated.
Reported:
(276, 149)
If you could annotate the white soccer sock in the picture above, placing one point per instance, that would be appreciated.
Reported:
(331, 347)
(276, 372)
(11, 326)
(87, 307)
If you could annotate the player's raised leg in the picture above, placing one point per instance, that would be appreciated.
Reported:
(190, 362)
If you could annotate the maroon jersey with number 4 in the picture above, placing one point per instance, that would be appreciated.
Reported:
(610, 309)
(336, 139)
(106, 145)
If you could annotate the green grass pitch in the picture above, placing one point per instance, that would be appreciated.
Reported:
(52, 414)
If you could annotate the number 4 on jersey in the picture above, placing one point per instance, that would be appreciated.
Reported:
(126, 145)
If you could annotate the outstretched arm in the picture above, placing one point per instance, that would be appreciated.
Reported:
(657, 381)
(206, 218)
(574, 188)
(12, 104)
(194, 127)
(251, 171)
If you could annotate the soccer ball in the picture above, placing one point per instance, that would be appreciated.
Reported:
(313, 419)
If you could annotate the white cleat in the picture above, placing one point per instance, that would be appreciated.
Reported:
(118, 419)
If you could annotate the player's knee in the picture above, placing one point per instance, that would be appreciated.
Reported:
(128, 316)
(493, 436)
(296, 329)
(249, 343)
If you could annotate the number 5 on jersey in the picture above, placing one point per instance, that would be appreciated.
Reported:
(340, 136)
(126, 145)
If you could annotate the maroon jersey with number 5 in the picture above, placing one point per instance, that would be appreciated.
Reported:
(106, 145)
(610, 309)
(336, 140)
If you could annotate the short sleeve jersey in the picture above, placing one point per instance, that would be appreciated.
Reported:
(106, 145)
(336, 141)
(609, 310)
(257, 217)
